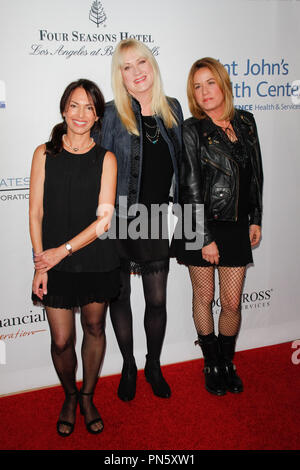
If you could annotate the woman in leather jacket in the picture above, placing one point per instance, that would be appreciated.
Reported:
(222, 172)
(143, 126)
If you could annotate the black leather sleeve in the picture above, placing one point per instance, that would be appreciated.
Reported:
(256, 212)
(190, 181)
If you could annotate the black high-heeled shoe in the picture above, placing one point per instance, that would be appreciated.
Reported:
(127, 385)
(155, 378)
(93, 421)
(62, 422)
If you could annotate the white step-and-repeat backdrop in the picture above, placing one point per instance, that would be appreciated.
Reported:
(44, 46)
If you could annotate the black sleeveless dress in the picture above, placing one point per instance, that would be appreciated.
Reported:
(71, 192)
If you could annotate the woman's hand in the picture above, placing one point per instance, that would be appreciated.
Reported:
(211, 253)
(39, 284)
(47, 259)
(254, 234)
(104, 214)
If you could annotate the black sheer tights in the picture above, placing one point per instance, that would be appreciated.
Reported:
(231, 280)
(62, 328)
(155, 286)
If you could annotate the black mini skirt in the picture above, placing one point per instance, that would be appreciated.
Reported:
(233, 242)
(69, 290)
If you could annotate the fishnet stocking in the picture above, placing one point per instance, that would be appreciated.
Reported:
(231, 280)
(203, 283)
(231, 285)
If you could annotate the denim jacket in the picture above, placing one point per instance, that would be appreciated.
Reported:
(128, 149)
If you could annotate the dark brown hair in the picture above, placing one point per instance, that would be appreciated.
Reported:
(54, 146)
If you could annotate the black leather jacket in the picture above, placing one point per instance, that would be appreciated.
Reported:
(209, 174)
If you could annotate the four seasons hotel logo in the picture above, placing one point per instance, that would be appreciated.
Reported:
(97, 14)
(98, 42)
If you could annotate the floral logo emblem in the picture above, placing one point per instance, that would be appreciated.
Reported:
(97, 14)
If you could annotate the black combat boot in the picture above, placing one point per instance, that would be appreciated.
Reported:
(214, 377)
(227, 349)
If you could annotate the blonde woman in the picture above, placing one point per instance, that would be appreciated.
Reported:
(142, 127)
(221, 170)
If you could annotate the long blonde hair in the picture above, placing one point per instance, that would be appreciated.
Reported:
(222, 78)
(122, 98)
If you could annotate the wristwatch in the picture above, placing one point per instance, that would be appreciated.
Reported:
(68, 247)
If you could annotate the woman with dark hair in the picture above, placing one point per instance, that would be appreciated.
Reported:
(72, 196)
(143, 128)
(222, 171)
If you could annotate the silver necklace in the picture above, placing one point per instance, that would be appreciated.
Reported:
(152, 138)
(76, 149)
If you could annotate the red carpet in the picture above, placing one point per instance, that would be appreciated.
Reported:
(265, 416)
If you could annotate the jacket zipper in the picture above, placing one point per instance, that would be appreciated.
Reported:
(228, 174)
(258, 190)
(216, 166)
(238, 188)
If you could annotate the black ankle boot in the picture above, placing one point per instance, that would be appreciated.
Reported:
(227, 349)
(154, 376)
(127, 386)
(214, 377)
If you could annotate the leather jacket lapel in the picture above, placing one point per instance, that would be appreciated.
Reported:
(217, 150)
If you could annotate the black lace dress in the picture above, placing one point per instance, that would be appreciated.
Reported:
(71, 191)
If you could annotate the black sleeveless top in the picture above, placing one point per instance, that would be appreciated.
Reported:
(157, 171)
(71, 193)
